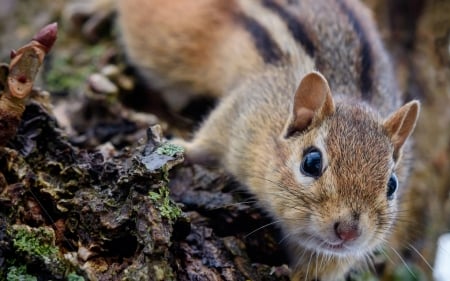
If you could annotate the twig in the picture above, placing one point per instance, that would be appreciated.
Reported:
(23, 68)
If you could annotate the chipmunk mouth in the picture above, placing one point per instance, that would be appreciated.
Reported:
(338, 248)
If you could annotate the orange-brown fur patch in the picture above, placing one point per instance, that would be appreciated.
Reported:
(177, 39)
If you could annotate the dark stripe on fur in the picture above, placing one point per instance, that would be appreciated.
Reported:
(365, 53)
(264, 43)
(295, 27)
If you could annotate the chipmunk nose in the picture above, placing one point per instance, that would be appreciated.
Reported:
(347, 231)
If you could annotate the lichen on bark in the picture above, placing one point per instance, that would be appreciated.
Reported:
(97, 210)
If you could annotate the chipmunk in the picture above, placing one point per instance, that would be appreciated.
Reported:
(309, 119)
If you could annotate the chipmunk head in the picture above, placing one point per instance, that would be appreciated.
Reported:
(342, 161)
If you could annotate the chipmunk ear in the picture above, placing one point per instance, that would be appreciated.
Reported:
(312, 103)
(400, 124)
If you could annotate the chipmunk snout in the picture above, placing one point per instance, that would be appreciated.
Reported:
(347, 231)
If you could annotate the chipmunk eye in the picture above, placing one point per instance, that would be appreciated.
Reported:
(312, 163)
(392, 186)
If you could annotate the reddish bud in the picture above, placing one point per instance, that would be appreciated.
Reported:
(13, 54)
(47, 35)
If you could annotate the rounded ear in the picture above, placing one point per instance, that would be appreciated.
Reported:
(312, 103)
(400, 124)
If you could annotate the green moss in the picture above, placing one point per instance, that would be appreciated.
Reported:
(408, 273)
(74, 277)
(63, 76)
(169, 149)
(34, 241)
(167, 208)
(69, 71)
(36, 245)
(19, 273)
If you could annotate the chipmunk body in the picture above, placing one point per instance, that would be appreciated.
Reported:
(326, 166)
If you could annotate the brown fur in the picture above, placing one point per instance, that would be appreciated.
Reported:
(169, 42)
(275, 107)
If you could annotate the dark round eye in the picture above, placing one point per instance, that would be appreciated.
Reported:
(392, 186)
(312, 163)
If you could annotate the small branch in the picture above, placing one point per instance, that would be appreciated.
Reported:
(23, 68)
